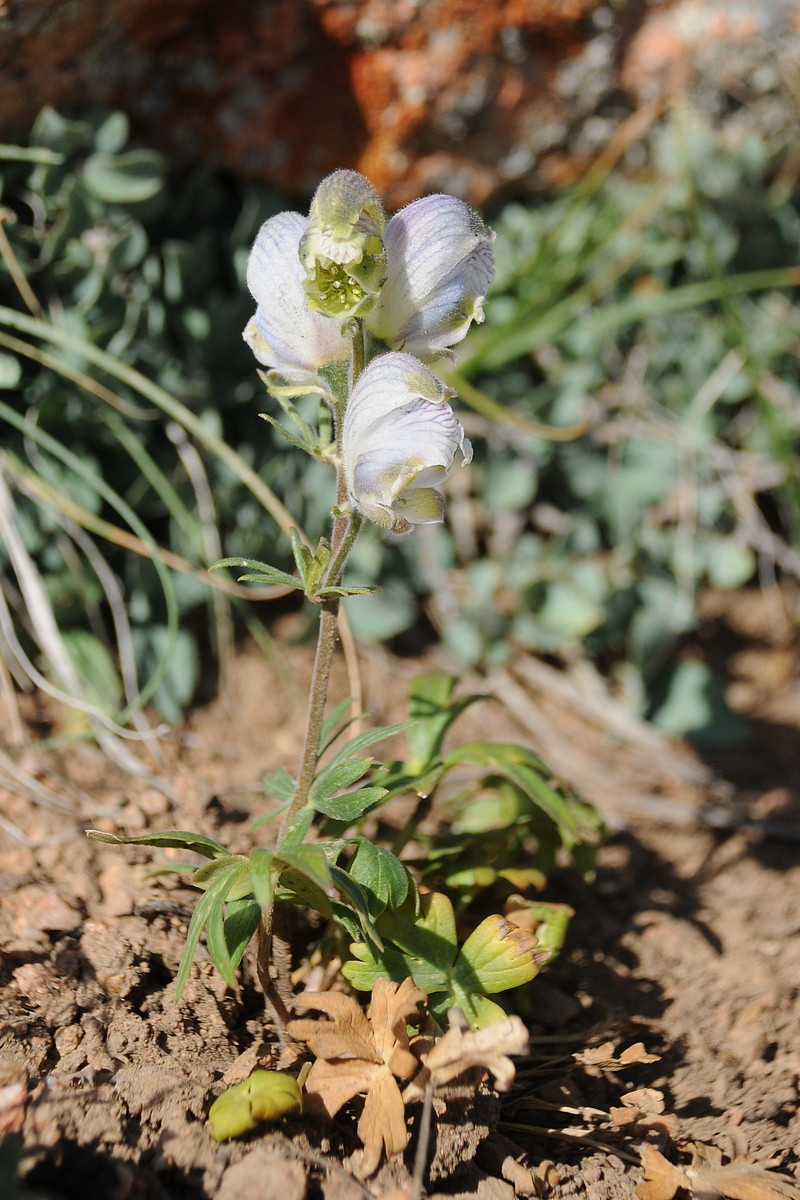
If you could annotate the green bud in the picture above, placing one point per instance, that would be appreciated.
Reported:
(264, 1096)
(342, 248)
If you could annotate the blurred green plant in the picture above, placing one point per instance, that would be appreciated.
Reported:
(127, 394)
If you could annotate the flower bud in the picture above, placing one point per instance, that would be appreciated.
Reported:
(399, 439)
(342, 248)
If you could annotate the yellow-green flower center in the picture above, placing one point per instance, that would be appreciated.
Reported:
(332, 291)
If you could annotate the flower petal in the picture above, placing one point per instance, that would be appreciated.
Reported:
(284, 334)
(399, 437)
(439, 267)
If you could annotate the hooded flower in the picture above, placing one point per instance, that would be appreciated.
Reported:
(399, 440)
(285, 334)
(439, 268)
(342, 248)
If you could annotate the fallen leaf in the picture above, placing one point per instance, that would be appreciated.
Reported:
(739, 1180)
(661, 1178)
(356, 1054)
(603, 1057)
(462, 1049)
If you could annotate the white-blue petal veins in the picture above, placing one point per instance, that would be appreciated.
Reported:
(284, 334)
(399, 437)
(439, 268)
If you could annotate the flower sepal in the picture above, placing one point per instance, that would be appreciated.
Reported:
(342, 249)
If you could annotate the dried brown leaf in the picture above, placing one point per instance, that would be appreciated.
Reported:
(738, 1180)
(356, 1054)
(462, 1049)
(604, 1058)
(662, 1179)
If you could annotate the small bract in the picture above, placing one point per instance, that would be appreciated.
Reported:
(399, 440)
(285, 334)
(440, 265)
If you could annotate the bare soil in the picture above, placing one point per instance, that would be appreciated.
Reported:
(686, 940)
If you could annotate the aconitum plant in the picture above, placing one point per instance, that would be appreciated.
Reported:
(353, 309)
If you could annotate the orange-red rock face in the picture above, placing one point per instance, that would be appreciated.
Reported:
(474, 97)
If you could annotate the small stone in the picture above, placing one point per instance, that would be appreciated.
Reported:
(52, 914)
(268, 1176)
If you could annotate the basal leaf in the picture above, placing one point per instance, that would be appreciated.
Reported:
(495, 957)
(431, 937)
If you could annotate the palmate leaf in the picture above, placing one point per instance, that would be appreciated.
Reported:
(497, 956)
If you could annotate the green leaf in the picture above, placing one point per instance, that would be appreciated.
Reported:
(337, 593)
(497, 956)
(171, 837)
(262, 572)
(216, 943)
(279, 785)
(127, 178)
(366, 739)
(336, 777)
(205, 906)
(206, 874)
(261, 875)
(431, 937)
(382, 876)
(525, 769)
(351, 805)
(294, 887)
(330, 726)
(263, 1096)
(242, 919)
(298, 829)
(309, 861)
(432, 712)
(112, 134)
(353, 893)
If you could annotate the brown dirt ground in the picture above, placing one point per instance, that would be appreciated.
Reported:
(687, 940)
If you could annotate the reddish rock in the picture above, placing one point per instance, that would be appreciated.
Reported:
(475, 97)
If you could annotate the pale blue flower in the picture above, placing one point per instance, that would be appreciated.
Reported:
(399, 440)
(439, 268)
(285, 334)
